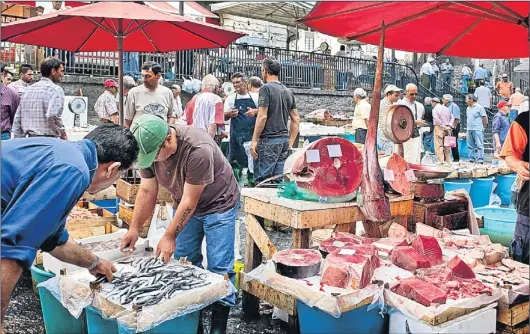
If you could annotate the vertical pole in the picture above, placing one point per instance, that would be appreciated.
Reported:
(120, 68)
(181, 8)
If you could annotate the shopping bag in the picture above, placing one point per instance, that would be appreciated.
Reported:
(449, 141)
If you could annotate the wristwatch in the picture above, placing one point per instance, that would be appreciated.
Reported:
(94, 264)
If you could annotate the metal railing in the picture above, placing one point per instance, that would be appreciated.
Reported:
(524, 86)
(299, 69)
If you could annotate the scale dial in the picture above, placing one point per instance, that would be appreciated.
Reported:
(77, 105)
(399, 124)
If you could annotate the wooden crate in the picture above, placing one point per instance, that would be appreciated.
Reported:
(514, 315)
(127, 189)
(449, 314)
(126, 214)
(519, 329)
(105, 222)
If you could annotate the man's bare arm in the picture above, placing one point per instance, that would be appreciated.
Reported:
(212, 129)
(72, 253)
(11, 271)
(115, 119)
(171, 120)
(295, 125)
(261, 120)
(127, 123)
(484, 121)
(190, 198)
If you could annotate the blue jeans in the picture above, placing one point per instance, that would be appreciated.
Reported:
(427, 141)
(512, 115)
(219, 230)
(272, 153)
(475, 145)
(6, 135)
(465, 80)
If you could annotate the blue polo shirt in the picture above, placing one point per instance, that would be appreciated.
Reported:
(42, 180)
(474, 117)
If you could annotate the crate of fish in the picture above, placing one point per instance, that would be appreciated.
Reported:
(127, 189)
(87, 219)
(145, 292)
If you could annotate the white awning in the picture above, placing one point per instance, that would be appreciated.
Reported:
(285, 13)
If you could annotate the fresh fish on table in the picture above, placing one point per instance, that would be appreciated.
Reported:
(153, 281)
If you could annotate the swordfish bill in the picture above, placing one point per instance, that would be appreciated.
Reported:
(375, 204)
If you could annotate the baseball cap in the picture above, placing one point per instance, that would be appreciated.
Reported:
(150, 132)
(435, 99)
(110, 83)
(505, 75)
(502, 104)
(392, 88)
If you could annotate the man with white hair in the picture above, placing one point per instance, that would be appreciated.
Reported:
(515, 101)
(150, 98)
(178, 101)
(128, 84)
(443, 126)
(392, 94)
(477, 120)
(360, 115)
(412, 147)
(447, 100)
(427, 72)
(205, 110)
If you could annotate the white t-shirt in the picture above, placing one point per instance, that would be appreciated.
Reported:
(483, 95)
(523, 107)
(141, 100)
(417, 110)
(466, 70)
(230, 100)
(361, 114)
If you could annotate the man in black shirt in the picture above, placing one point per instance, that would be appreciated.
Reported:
(273, 136)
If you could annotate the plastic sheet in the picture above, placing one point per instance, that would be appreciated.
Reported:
(74, 293)
(331, 300)
(292, 191)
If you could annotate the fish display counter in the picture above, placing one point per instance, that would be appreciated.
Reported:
(144, 294)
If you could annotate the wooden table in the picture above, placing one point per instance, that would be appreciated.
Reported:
(301, 216)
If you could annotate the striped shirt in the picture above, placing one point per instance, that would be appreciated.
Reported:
(20, 86)
(106, 105)
(40, 110)
(205, 109)
(10, 102)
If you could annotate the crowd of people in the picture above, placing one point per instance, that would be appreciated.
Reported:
(438, 121)
(173, 145)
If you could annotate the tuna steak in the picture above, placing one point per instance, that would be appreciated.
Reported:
(352, 266)
(429, 247)
(409, 259)
(375, 204)
(460, 269)
(297, 263)
(420, 291)
(334, 171)
(401, 183)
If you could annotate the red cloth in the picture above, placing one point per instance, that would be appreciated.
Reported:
(145, 29)
(429, 27)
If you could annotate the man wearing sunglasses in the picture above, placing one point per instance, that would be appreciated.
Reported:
(412, 147)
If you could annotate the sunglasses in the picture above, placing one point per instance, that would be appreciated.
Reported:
(413, 94)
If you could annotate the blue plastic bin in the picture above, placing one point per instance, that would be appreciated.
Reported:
(348, 136)
(56, 317)
(497, 219)
(358, 321)
(481, 191)
(504, 187)
(458, 184)
(462, 149)
(110, 205)
(186, 324)
(497, 237)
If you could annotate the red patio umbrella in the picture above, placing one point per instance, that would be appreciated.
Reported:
(117, 26)
(34, 3)
(489, 29)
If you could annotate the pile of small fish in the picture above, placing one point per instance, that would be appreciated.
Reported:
(153, 281)
(103, 246)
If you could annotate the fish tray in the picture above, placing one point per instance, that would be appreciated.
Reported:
(127, 188)
(101, 222)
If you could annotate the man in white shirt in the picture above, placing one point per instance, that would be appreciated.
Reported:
(412, 147)
(443, 121)
(466, 76)
(427, 72)
(524, 106)
(484, 96)
(241, 107)
(392, 94)
(149, 98)
(361, 115)
(447, 72)
(177, 108)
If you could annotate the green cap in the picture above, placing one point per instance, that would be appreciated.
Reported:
(150, 132)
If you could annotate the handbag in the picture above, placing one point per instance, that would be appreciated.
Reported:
(449, 141)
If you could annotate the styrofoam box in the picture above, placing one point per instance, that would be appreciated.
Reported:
(55, 266)
(483, 321)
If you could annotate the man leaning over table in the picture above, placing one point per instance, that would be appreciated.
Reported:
(42, 180)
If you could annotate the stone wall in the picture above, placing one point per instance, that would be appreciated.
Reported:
(307, 100)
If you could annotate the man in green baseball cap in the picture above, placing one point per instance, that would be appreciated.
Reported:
(188, 163)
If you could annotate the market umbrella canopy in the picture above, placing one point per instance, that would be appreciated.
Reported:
(490, 30)
(95, 27)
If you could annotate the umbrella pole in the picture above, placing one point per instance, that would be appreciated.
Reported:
(120, 68)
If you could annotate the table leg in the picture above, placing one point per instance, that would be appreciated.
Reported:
(301, 238)
(294, 325)
(253, 258)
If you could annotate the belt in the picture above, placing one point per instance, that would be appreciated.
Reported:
(33, 135)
